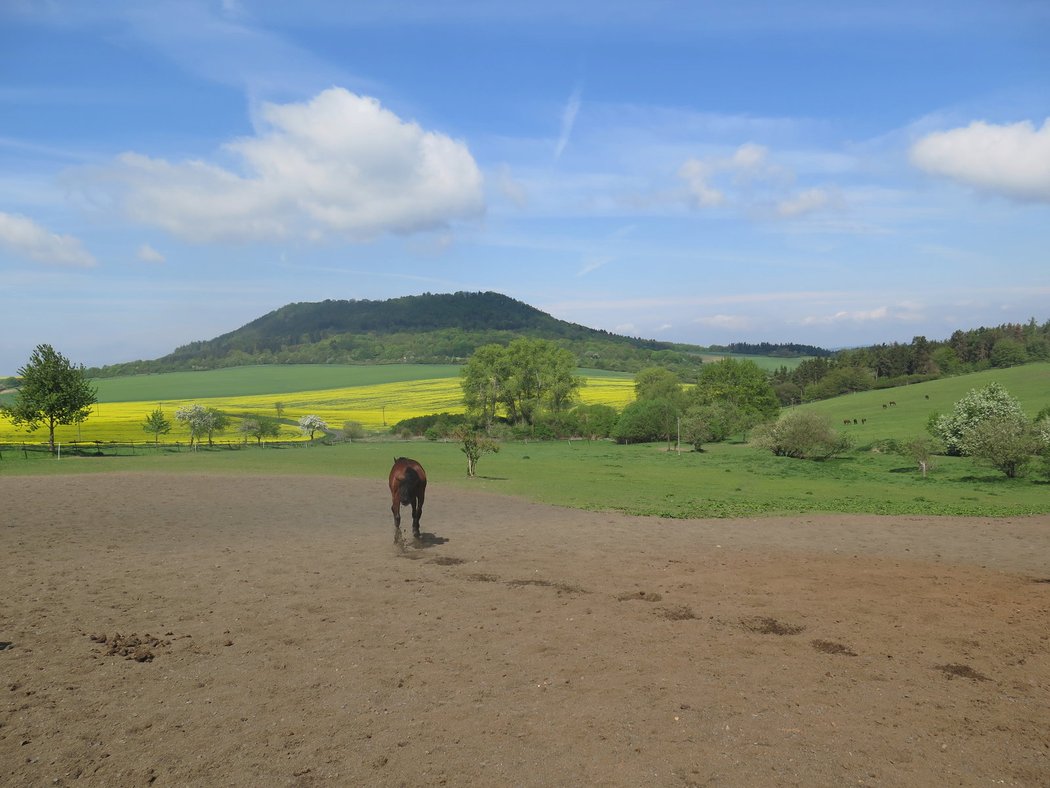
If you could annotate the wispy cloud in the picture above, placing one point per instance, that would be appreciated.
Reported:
(26, 238)
(568, 121)
(593, 264)
(147, 254)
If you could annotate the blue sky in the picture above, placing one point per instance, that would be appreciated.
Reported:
(822, 172)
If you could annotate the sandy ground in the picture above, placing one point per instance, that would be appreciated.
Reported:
(266, 631)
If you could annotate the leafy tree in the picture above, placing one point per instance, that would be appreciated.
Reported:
(53, 392)
(249, 428)
(921, 451)
(992, 403)
(259, 427)
(483, 379)
(709, 423)
(219, 423)
(1008, 352)
(658, 383)
(521, 378)
(803, 435)
(1007, 444)
(199, 421)
(309, 425)
(279, 407)
(742, 384)
(474, 444)
(647, 420)
(157, 424)
(596, 421)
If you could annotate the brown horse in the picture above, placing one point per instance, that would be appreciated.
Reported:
(408, 485)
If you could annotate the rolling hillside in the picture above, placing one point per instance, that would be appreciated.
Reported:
(433, 329)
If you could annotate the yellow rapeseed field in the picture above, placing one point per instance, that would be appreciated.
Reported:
(376, 407)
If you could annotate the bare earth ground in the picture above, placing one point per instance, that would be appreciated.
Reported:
(284, 640)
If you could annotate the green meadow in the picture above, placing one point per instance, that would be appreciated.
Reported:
(257, 380)
(726, 480)
(878, 419)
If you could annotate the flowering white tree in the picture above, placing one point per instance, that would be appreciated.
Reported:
(990, 404)
(198, 419)
(309, 425)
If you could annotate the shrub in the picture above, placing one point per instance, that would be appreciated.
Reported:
(1006, 444)
(803, 435)
(992, 403)
(353, 430)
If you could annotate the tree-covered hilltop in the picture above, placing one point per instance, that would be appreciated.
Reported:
(429, 328)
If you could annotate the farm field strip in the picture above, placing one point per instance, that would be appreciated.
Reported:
(376, 407)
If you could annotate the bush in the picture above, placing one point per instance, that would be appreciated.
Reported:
(992, 403)
(1006, 444)
(353, 430)
(803, 435)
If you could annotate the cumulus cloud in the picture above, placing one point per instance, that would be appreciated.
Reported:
(855, 316)
(147, 254)
(1012, 160)
(340, 164)
(26, 238)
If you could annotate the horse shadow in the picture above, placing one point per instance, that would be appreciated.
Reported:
(424, 542)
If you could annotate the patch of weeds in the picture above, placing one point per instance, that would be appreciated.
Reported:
(962, 671)
(676, 613)
(831, 647)
(766, 625)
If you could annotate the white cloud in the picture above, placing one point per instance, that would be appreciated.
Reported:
(725, 321)
(147, 254)
(339, 164)
(748, 180)
(855, 316)
(1012, 160)
(803, 203)
(697, 174)
(27, 238)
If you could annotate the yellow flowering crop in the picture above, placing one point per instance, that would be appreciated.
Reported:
(376, 407)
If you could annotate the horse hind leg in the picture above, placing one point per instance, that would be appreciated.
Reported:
(417, 512)
(396, 509)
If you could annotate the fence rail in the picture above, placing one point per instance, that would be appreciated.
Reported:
(31, 451)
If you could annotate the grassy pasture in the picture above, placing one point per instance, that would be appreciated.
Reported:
(729, 480)
(907, 419)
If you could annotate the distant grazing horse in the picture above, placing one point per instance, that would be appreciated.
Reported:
(408, 485)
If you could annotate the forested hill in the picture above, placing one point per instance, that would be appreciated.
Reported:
(430, 328)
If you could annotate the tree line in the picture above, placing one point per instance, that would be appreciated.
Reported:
(890, 365)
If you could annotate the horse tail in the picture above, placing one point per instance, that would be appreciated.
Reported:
(407, 486)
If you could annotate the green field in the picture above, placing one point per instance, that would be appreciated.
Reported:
(270, 379)
(907, 418)
(727, 480)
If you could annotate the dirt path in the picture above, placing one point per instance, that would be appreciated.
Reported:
(290, 643)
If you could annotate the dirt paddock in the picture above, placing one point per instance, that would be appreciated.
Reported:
(266, 631)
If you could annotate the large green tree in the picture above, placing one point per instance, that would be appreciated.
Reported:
(741, 384)
(523, 378)
(53, 392)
